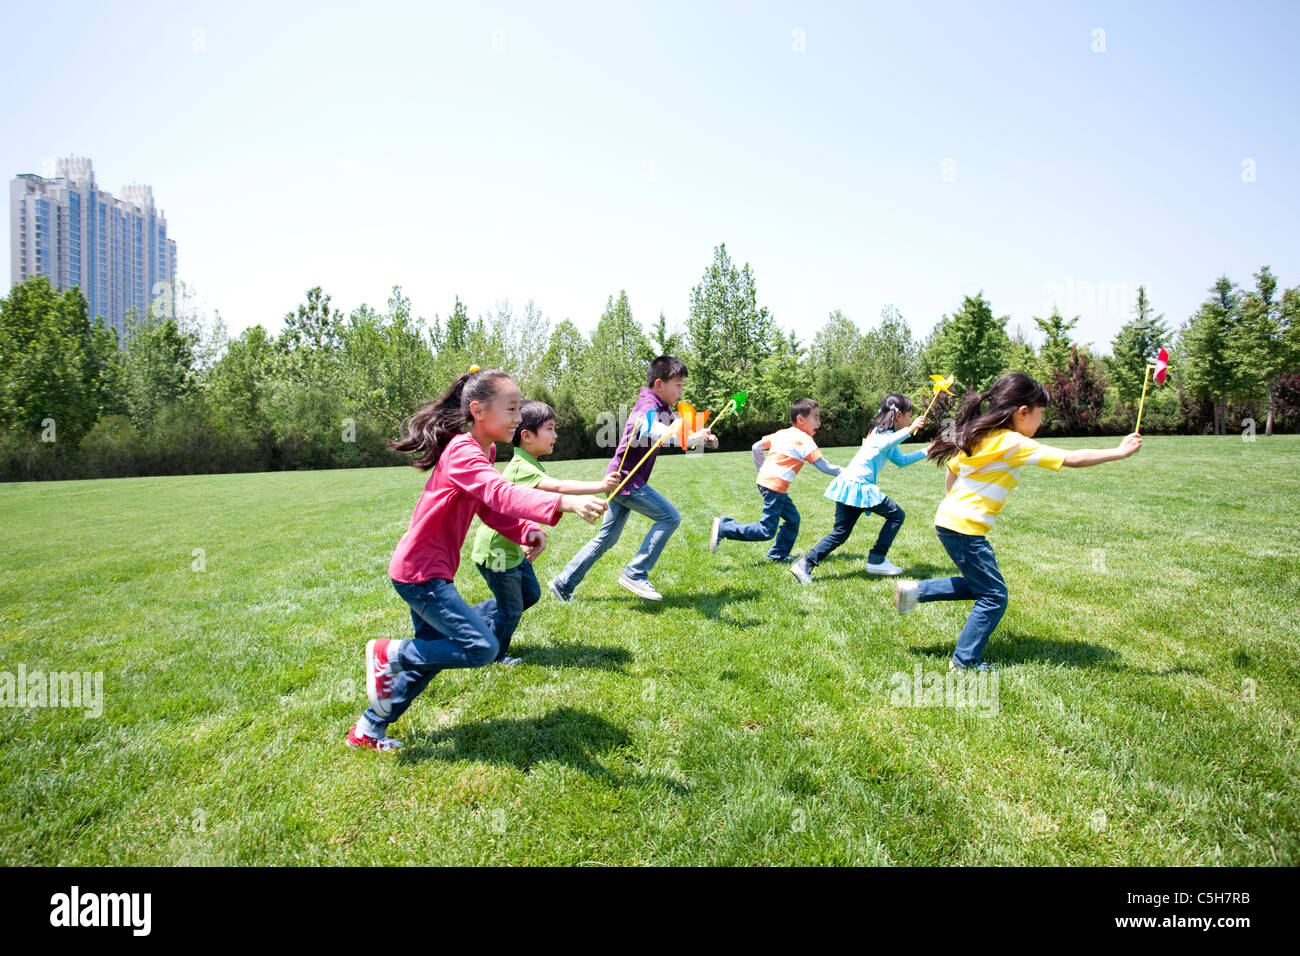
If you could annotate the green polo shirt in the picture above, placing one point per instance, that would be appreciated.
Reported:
(492, 548)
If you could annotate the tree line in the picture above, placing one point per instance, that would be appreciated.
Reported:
(176, 395)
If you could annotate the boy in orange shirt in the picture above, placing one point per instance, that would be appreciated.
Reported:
(788, 450)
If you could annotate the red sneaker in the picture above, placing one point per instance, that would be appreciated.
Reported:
(379, 676)
(382, 744)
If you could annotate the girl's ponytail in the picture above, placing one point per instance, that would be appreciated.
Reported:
(893, 404)
(429, 430)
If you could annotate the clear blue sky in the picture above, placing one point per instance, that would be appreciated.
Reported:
(513, 152)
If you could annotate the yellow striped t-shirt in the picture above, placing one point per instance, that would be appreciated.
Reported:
(985, 478)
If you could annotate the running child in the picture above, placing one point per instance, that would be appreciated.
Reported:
(788, 450)
(855, 491)
(984, 459)
(502, 562)
(665, 383)
(448, 632)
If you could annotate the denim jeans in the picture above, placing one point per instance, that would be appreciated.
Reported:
(448, 633)
(981, 581)
(514, 591)
(846, 516)
(645, 501)
(778, 508)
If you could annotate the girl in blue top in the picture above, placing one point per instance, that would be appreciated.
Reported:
(855, 491)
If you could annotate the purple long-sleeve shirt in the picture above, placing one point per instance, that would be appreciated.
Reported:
(645, 402)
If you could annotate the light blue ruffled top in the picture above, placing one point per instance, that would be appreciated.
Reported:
(856, 484)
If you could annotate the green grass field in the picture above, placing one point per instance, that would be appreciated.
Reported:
(1146, 710)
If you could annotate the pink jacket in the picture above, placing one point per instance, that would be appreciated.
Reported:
(465, 484)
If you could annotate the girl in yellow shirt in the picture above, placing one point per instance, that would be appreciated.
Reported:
(989, 446)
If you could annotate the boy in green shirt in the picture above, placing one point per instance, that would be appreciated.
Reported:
(502, 562)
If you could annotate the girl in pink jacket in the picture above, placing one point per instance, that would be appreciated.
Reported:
(448, 632)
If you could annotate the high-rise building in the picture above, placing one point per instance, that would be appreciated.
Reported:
(75, 234)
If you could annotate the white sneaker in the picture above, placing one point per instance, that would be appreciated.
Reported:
(643, 588)
(906, 594)
(885, 567)
(555, 590)
(800, 570)
(713, 534)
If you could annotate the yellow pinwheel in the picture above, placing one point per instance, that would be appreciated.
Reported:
(941, 384)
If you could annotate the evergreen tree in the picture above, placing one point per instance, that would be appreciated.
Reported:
(971, 345)
(1208, 364)
(616, 359)
(1055, 353)
(1265, 346)
(1133, 348)
(564, 363)
(728, 333)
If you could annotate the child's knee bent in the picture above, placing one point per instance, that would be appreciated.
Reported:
(483, 651)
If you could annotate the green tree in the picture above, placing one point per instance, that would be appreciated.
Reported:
(563, 365)
(1265, 346)
(783, 378)
(388, 368)
(1209, 365)
(237, 385)
(616, 358)
(525, 338)
(1133, 348)
(55, 364)
(839, 342)
(1055, 353)
(157, 367)
(971, 344)
(662, 341)
(462, 343)
(894, 357)
(728, 333)
(311, 341)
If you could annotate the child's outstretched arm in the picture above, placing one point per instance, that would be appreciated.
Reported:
(505, 506)
(826, 468)
(759, 450)
(602, 487)
(1083, 457)
(896, 454)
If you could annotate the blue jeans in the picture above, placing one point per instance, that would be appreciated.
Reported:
(448, 633)
(514, 591)
(846, 516)
(981, 581)
(645, 501)
(778, 508)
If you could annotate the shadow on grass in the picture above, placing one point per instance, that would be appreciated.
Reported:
(1014, 647)
(563, 735)
(602, 657)
(708, 603)
(856, 567)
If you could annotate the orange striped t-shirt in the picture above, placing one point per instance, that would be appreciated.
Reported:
(787, 451)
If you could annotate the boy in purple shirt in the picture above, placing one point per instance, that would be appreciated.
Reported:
(665, 382)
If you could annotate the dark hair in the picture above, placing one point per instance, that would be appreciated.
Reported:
(1007, 394)
(430, 429)
(802, 406)
(535, 415)
(894, 403)
(665, 367)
